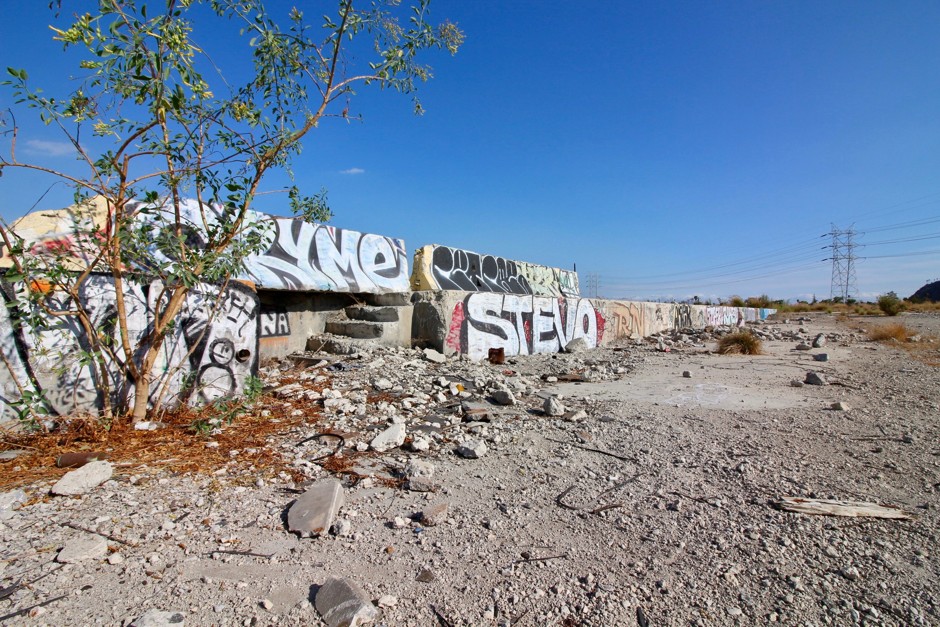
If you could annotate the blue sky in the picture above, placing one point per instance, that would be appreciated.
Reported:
(674, 149)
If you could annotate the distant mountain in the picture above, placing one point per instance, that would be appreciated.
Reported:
(930, 292)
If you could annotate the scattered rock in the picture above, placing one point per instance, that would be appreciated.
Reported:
(686, 374)
(575, 416)
(387, 600)
(382, 385)
(433, 515)
(553, 407)
(85, 547)
(796, 383)
(814, 378)
(159, 618)
(819, 341)
(393, 437)
(504, 397)
(577, 345)
(434, 356)
(83, 480)
(840, 406)
(312, 514)
(8, 500)
(472, 449)
(802, 347)
(425, 575)
(342, 603)
(821, 357)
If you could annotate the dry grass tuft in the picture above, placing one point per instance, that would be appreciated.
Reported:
(740, 343)
(890, 332)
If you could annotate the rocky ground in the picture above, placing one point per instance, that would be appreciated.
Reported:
(630, 485)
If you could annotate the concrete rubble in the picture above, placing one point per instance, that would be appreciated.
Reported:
(610, 488)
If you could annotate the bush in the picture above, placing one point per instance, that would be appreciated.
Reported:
(890, 304)
(740, 343)
(890, 332)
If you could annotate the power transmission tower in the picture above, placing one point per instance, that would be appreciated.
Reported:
(593, 285)
(844, 282)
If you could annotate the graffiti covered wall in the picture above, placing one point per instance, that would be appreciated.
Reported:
(444, 268)
(212, 349)
(521, 325)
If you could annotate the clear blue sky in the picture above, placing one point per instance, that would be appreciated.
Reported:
(675, 149)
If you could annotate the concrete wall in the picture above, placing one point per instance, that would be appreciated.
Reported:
(288, 319)
(444, 268)
(473, 322)
(210, 352)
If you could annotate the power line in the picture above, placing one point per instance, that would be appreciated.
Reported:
(844, 282)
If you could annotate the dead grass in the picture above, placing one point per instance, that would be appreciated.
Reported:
(890, 332)
(740, 343)
(177, 447)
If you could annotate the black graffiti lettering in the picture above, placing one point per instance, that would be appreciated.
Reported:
(456, 269)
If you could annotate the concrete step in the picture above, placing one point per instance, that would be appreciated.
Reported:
(358, 329)
(338, 345)
(391, 299)
(371, 313)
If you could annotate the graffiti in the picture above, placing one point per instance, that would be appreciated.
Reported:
(314, 257)
(456, 269)
(208, 354)
(724, 316)
(274, 322)
(521, 325)
(626, 320)
(681, 316)
(444, 268)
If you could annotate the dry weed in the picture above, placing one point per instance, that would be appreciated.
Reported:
(740, 343)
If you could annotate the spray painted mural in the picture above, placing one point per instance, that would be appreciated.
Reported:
(444, 268)
(521, 325)
(209, 354)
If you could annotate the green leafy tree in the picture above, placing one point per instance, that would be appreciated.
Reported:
(890, 304)
(155, 118)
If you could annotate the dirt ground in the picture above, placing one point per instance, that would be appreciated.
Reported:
(656, 506)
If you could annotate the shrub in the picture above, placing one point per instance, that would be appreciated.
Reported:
(890, 304)
(740, 343)
(889, 332)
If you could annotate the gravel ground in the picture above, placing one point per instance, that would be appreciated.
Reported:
(650, 501)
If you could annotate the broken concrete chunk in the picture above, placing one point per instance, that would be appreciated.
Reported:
(8, 500)
(504, 397)
(553, 407)
(159, 618)
(814, 378)
(393, 437)
(575, 416)
(343, 603)
(83, 480)
(840, 406)
(577, 345)
(312, 514)
(819, 341)
(472, 449)
(434, 356)
(382, 385)
(86, 547)
(434, 515)
(419, 468)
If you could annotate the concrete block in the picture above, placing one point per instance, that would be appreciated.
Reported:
(312, 514)
(393, 437)
(343, 603)
(83, 480)
(372, 313)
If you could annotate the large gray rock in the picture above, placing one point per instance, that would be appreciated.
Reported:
(504, 397)
(313, 513)
(85, 547)
(553, 407)
(393, 437)
(159, 618)
(577, 345)
(342, 603)
(472, 449)
(819, 341)
(84, 479)
(814, 378)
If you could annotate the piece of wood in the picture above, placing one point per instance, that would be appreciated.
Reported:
(823, 507)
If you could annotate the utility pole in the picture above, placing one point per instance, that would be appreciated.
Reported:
(844, 282)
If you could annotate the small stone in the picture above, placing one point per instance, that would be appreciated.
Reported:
(819, 341)
(86, 547)
(420, 445)
(577, 345)
(553, 407)
(158, 618)
(341, 528)
(393, 437)
(504, 397)
(382, 385)
(115, 558)
(148, 425)
(419, 468)
(821, 357)
(803, 347)
(84, 479)
(434, 356)
(425, 576)
(575, 416)
(686, 374)
(342, 603)
(735, 611)
(472, 449)
(840, 406)
(420, 484)
(814, 378)
(387, 600)
(313, 512)
(796, 383)
(433, 515)
(266, 604)
(851, 573)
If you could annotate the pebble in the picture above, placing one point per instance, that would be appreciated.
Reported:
(472, 449)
